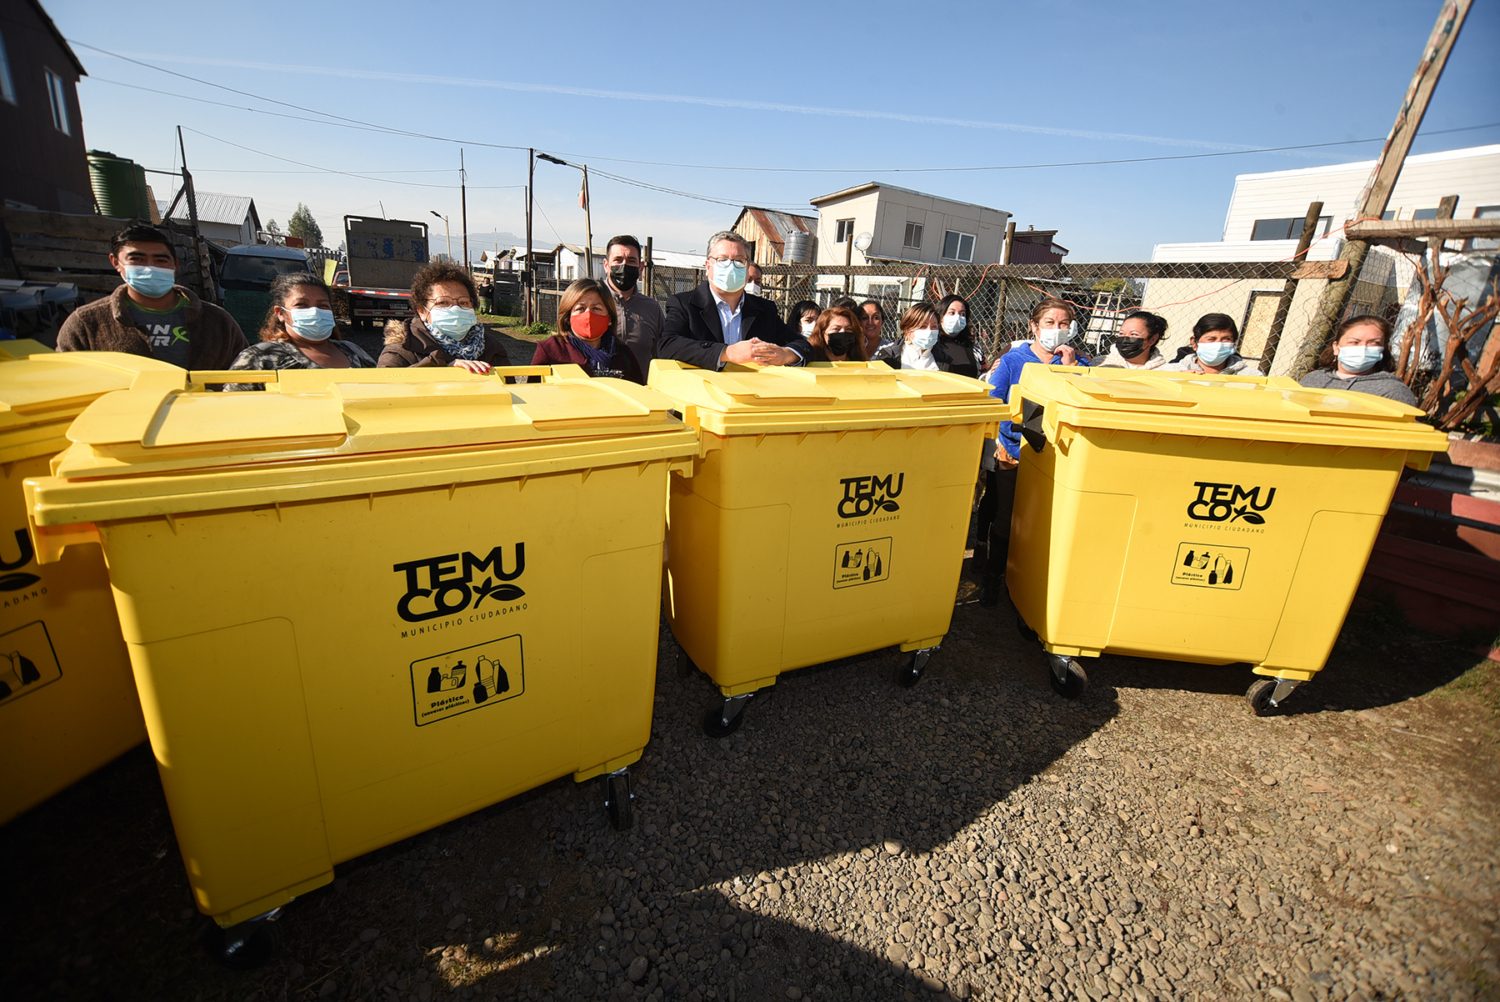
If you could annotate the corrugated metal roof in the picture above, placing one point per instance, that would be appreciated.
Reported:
(214, 207)
(777, 226)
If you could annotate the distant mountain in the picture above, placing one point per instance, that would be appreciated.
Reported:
(478, 242)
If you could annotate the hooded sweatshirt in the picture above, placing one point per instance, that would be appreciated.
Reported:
(1382, 384)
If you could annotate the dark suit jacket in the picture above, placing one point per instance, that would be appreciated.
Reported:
(693, 334)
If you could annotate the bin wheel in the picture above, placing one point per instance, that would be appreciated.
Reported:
(243, 947)
(1266, 695)
(910, 672)
(1026, 632)
(618, 798)
(1068, 678)
(715, 726)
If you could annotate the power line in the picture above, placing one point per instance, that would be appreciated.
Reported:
(345, 173)
(1004, 167)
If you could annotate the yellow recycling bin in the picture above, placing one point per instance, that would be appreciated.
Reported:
(366, 602)
(826, 516)
(1209, 519)
(67, 701)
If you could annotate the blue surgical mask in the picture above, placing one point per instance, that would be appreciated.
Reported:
(923, 338)
(1360, 357)
(312, 323)
(1053, 338)
(451, 321)
(148, 281)
(1215, 352)
(729, 276)
(954, 323)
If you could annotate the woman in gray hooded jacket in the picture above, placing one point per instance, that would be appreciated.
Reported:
(1359, 359)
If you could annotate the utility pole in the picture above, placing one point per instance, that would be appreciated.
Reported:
(650, 267)
(204, 278)
(463, 204)
(1377, 193)
(527, 272)
(588, 225)
(1288, 291)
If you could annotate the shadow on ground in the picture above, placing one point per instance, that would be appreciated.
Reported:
(507, 902)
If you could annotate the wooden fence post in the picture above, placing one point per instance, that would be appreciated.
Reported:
(1289, 290)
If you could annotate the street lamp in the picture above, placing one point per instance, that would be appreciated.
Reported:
(446, 232)
(588, 225)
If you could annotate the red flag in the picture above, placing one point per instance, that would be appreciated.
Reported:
(583, 196)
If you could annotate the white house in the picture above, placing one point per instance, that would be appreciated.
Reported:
(227, 220)
(873, 223)
(572, 263)
(1265, 216)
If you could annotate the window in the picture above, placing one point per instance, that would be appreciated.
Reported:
(844, 230)
(958, 246)
(57, 93)
(1388, 215)
(913, 236)
(1286, 229)
(7, 89)
(1485, 243)
(1425, 214)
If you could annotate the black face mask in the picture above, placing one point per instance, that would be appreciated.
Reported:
(842, 343)
(1131, 347)
(623, 276)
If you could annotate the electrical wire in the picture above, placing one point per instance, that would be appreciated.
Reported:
(345, 173)
(358, 125)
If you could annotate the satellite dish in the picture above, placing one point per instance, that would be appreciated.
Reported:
(863, 241)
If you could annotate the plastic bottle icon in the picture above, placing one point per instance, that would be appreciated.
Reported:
(460, 674)
(484, 678)
(435, 679)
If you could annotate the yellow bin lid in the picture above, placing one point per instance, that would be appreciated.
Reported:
(41, 391)
(836, 396)
(163, 449)
(1263, 408)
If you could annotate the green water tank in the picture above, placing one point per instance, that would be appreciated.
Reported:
(119, 186)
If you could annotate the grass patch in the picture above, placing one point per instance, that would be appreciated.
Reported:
(1481, 682)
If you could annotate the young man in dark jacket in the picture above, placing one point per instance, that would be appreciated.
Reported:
(151, 314)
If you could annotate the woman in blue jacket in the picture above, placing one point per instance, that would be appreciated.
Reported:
(1054, 325)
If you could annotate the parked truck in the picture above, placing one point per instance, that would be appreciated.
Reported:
(381, 255)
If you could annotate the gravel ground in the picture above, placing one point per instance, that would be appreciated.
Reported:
(973, 837)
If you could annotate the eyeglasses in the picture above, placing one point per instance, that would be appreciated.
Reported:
(448, 304)
(723, 260)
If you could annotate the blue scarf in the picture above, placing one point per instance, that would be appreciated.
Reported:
(600, 358)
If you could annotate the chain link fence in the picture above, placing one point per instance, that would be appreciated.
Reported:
(1273, 303)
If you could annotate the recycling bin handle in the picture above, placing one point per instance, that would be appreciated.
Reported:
(49, 541)
(1031, 425)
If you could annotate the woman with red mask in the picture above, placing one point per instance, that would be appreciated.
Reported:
(586, 326)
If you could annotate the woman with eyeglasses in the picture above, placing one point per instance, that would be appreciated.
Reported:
(444, 329)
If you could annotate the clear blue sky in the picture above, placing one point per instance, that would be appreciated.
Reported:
(856, 88)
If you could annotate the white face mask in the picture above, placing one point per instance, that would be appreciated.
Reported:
(953, 323)
(753, 288)
(807, 327)
(1053, 338)
(923, 338)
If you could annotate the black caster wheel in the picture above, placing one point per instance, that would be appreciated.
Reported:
(1266, 695)
(716, 726)
(726, 718)
(1026, 632)
(1067, 676)
(911, 670)
(240, 948)
(618, 800)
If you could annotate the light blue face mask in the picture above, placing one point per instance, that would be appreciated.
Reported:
(923, 338)
(452, 321)
(312, 323)
(1215, 352)
(1360, 357)
(148, 281)
(729, 276)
